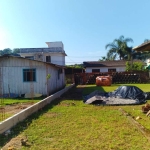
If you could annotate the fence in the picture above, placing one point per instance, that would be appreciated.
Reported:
(117, 77)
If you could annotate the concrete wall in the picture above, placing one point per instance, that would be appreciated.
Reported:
(56, 58)
(55, 44)
(105, 69)
(12, 121)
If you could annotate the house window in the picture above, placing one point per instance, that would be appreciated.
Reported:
(95, 70)
(112, 70)
(29, 75)
(30, 57)
(48, 58)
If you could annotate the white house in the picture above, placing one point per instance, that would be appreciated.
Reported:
(54, 53)
(20, 75)
(147, 61)
(144, 47)
(106, 66)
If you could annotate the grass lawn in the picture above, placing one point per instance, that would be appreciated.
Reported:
(9, 101)
(69, 124)
(13, 106)
(18, 101)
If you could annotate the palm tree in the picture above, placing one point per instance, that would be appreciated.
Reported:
(118, 47)
(111, 56)
(103, 58)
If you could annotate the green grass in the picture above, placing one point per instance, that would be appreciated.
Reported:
(91, 88)
(72, 125)
(9, 101)
(17, 101)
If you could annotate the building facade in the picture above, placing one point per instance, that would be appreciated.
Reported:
(54, 53)
(20, 76)
(107, 66)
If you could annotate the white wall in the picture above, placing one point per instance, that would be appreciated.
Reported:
(13, 76)
(56, 58)
(55, 44)
(105, 69)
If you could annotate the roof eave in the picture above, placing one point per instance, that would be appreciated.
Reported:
(145, 47)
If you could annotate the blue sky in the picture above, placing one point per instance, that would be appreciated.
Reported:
(84, 26)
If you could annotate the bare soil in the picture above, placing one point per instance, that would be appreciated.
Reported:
(10, 110)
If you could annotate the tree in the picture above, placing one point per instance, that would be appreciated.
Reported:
(134, 66)
(7, 51)
(103, 58)
(16, 50)
(118, 47)
(75, 66)
(111, 56)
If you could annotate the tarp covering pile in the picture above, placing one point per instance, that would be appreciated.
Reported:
(122, 96)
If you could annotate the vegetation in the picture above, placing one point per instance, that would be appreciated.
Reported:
(9, 51)
(71, 124)
(18, 101)
(75, 66)
(134, 66)
(119, 48)
(103, 58)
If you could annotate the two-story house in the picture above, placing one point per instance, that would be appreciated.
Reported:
(54, 53)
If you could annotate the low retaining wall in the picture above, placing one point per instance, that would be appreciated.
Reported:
(12, 121)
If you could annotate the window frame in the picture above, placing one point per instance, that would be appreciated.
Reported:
(109, 70)
(49, 58)
(96, 70)
(26, 74)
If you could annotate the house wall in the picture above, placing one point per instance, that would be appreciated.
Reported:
(56, 58)
(12, 73)
(56, 81)
(55, 44)
(105, 69)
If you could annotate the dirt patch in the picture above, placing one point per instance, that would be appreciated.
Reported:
(17, 143)
(10, 110)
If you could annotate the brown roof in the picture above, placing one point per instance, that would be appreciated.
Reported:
(114, 63)
(143, 47)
